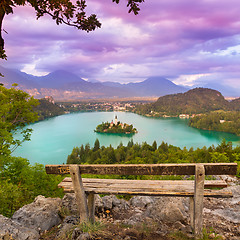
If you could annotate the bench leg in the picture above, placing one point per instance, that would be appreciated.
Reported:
(79, 193)
(91, 207)
(198, 200)
(191, 211)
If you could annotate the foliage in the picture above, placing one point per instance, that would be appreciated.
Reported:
(16, 111)
(218, 121)
(46, 109)
(151, 154)
(20, 183)
(198, 100)
(107, 127)
(207, 234)
(62, 11)
(91, 227)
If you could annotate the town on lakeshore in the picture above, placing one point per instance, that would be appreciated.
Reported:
(115, 127)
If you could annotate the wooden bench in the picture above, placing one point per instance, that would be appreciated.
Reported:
(85, 188)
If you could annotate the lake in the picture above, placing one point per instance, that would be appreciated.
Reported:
(53, 139)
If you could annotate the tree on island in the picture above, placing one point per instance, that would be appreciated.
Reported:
(62, 11)
(117, 127)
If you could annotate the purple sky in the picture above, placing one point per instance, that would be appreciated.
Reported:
(187, 41)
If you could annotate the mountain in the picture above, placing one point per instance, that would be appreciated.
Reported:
(58, 79)
(226, 90)
(14, 76)
(156, 86)
(63, 85)
(198, 100)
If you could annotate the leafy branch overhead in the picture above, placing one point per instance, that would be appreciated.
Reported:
(62, 11)
(17, 110)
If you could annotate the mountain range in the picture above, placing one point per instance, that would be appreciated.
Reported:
(63, 85)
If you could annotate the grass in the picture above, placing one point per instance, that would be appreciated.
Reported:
(207, 234)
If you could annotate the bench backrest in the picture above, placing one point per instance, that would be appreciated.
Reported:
(146, 169)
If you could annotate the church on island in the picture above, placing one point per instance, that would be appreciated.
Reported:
(115, 127)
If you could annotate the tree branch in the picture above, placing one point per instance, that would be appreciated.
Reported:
(2, 13)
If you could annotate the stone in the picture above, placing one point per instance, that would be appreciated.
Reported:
(98, 203)
(76, 233)
(229, 214)
(84, 236)
(167, 209)
(40, 215)
(69, 203)
(10, 229)
(67, 226)
(141, 201)
(110, 201)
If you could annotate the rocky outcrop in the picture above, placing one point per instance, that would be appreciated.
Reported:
(167, 213)
(40, 215)
(10, 229)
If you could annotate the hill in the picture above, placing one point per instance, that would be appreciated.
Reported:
(46, 109)
(63, 85)
(235, 104)
(198, 100)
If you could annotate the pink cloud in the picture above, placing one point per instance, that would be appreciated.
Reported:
(168, 37)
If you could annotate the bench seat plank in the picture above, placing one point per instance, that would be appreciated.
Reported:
(181, 188)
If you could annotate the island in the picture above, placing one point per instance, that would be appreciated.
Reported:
(115, 127)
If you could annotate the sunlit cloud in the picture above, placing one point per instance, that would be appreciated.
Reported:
(188, 42)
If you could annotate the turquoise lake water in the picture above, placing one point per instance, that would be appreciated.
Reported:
(53, 139)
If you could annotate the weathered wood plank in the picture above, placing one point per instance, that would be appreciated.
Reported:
(79, 193)
(214, 194)
(146, 169)
(191, 212)
(122, 182)
(198, 200)
(91, 206)
(132, 187)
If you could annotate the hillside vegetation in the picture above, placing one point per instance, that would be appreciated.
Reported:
(195, 101)
(151, 154)
(46, 109)
(218, 121)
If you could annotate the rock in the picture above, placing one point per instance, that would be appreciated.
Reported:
(167, 209)
(67, 225)
(110, 201)
(10, 229)
(98, 204)
(229, 214)
(141, 201)
(40, 215)
(136, 218)
(178, 226)
(79, 235)
(84, 236)
(76, 233)
(69, 203)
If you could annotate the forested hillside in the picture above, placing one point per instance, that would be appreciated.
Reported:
(235, 104)
(46, 109)
(198, 100)
(150, 154)
(218, 121)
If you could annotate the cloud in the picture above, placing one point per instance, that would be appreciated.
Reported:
(180, 39)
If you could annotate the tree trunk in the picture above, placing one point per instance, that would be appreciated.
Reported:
(2, 13)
